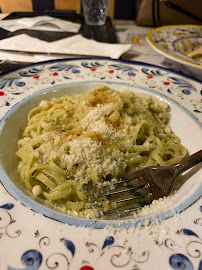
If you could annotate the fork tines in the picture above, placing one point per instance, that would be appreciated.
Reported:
(127, 209)
(129, 188)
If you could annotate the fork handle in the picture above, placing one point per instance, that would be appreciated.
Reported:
(189, 162)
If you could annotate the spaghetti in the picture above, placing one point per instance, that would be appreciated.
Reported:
(73, 141)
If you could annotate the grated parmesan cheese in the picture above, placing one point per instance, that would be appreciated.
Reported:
(89, 137)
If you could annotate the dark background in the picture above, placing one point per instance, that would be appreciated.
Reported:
(124, 9)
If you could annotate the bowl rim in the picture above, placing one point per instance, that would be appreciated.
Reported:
(13, 190)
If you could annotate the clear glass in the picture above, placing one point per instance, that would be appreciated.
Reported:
(95, 11)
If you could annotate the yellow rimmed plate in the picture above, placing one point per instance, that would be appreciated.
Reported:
(162, 39)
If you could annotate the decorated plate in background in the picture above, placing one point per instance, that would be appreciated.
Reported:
(166, 38)
(34, 239)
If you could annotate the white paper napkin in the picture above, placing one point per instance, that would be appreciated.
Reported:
(46, 23)
(29, 58)
(76, 45)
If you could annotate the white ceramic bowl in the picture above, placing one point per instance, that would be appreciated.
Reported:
(16, 118)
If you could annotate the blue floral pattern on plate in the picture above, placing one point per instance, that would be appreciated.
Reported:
(29, 240)
(147, 76)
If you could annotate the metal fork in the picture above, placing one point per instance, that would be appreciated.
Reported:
(140, 188)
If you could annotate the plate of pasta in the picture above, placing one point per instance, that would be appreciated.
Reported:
(181, 43)
(67, 124)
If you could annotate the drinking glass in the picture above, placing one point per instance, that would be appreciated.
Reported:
(95, 11)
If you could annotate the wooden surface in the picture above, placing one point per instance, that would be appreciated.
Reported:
(70, 5)
(8, 6)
